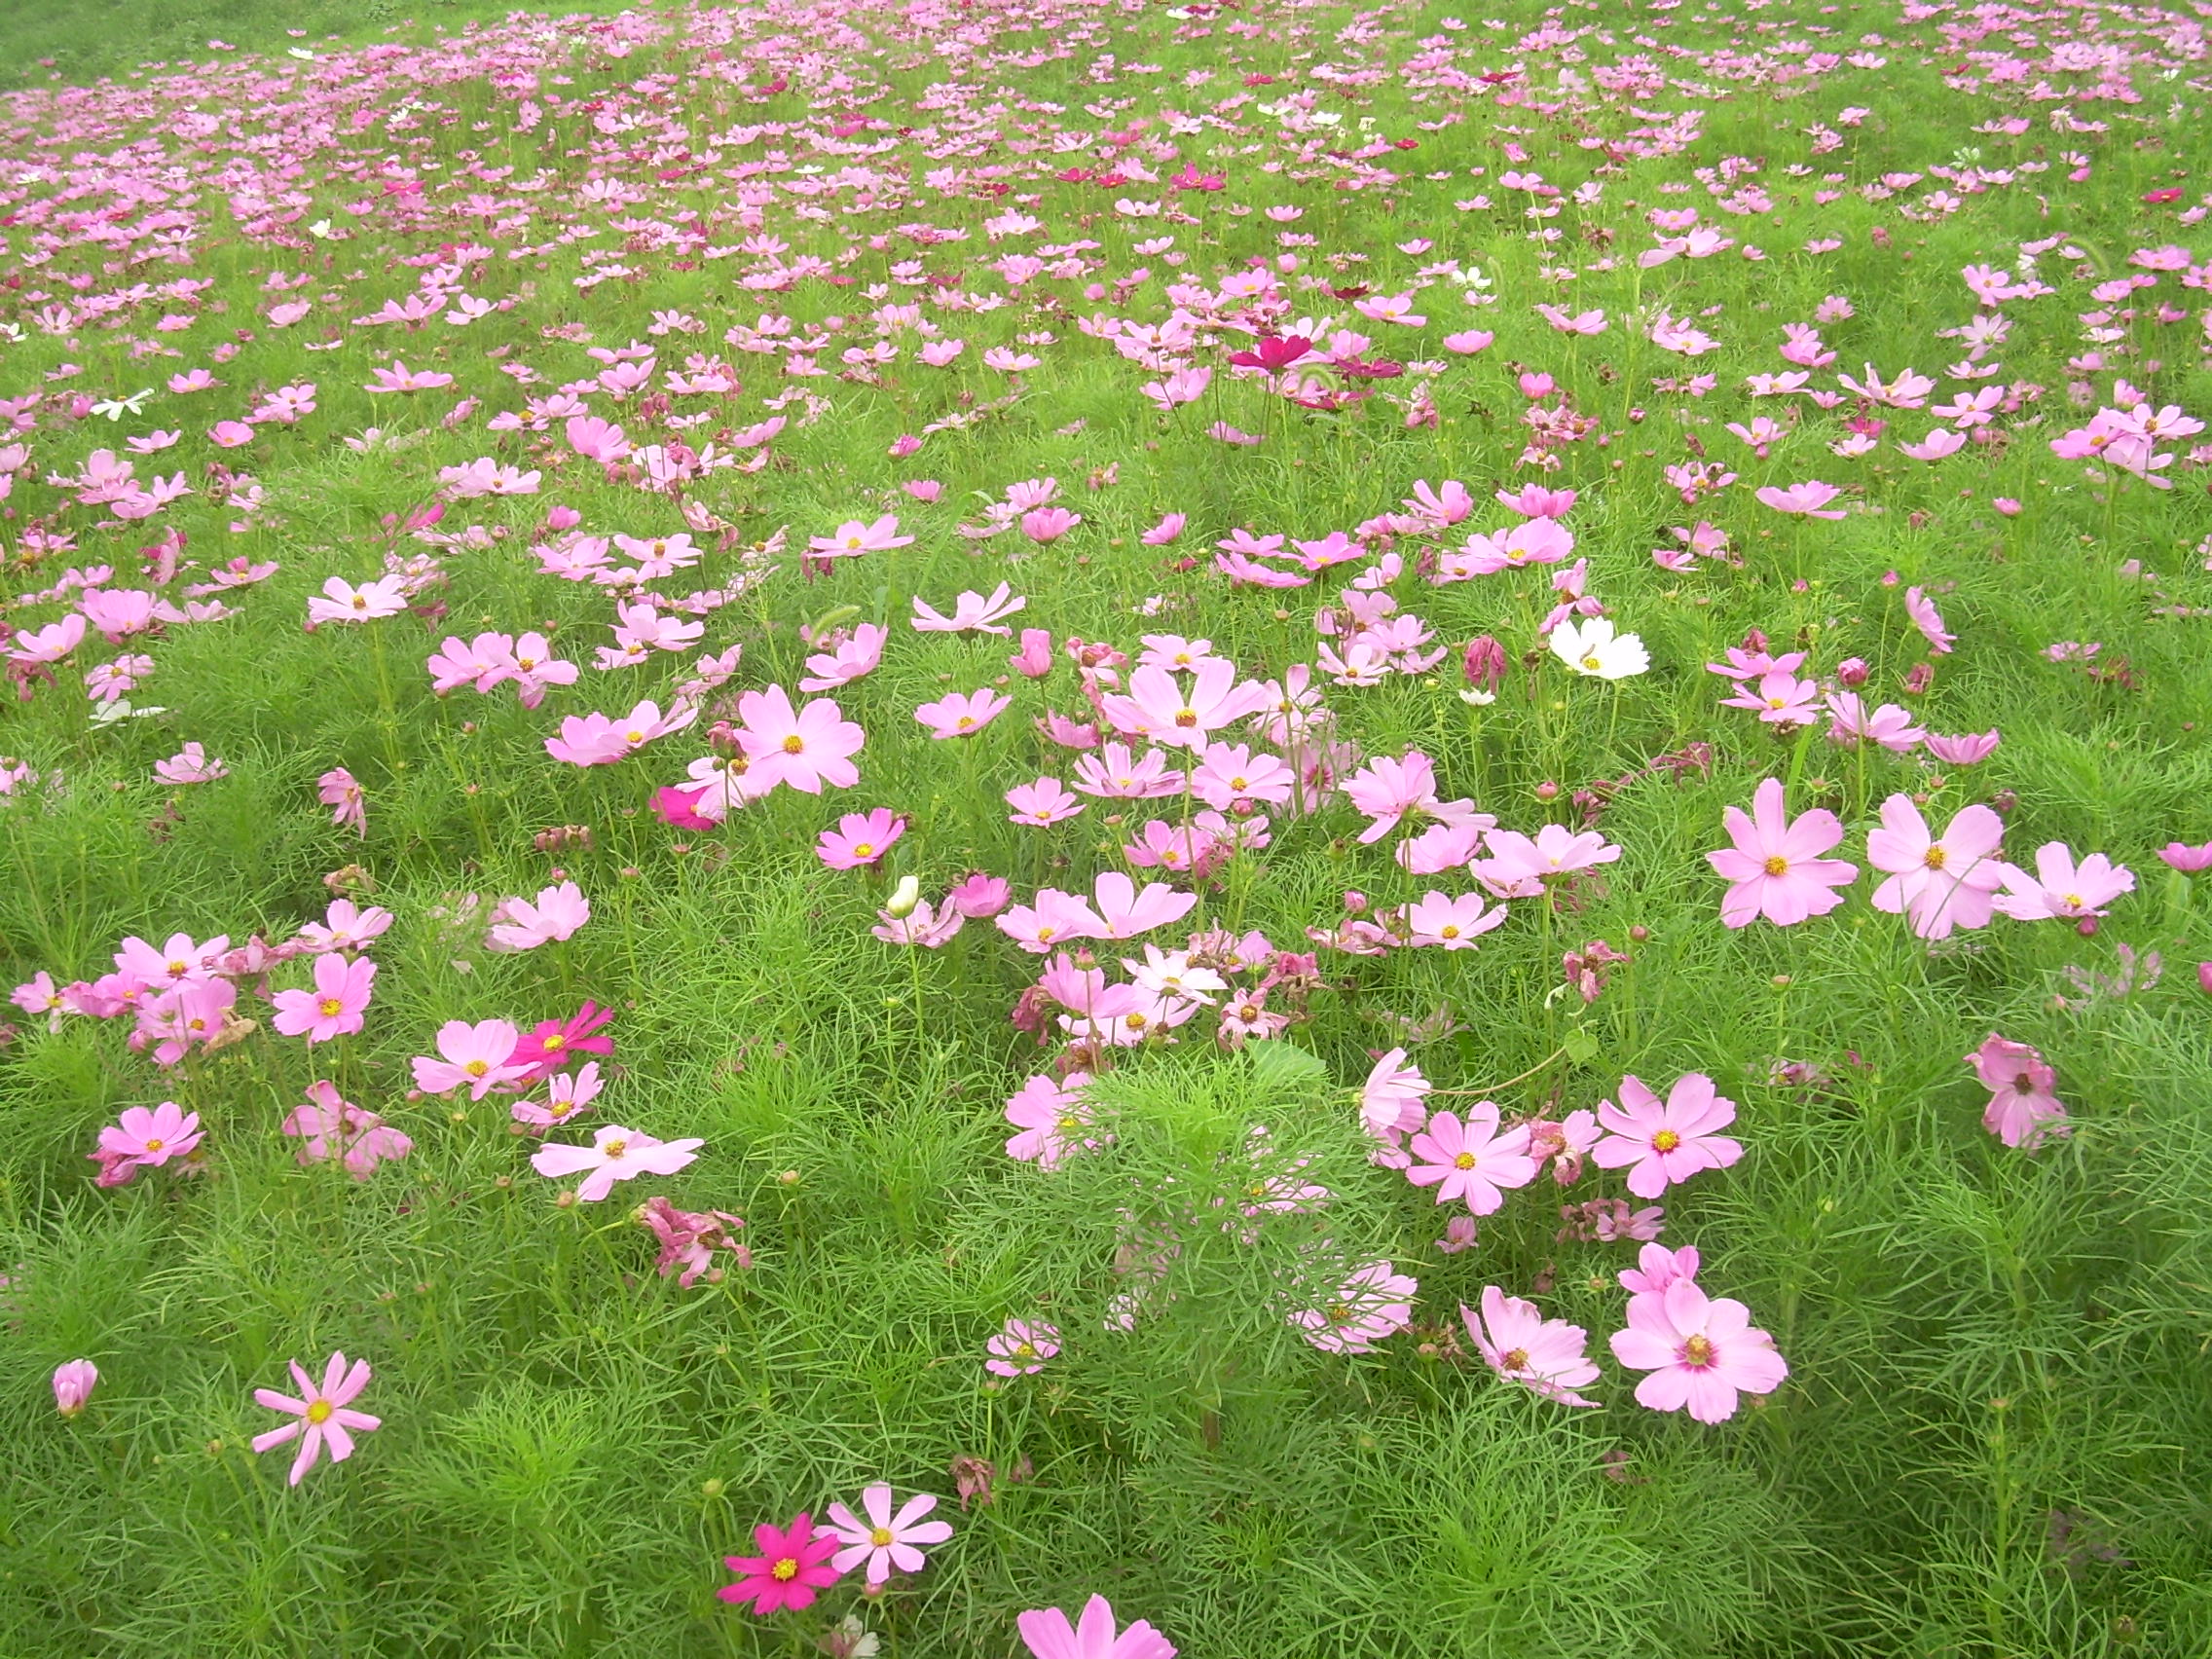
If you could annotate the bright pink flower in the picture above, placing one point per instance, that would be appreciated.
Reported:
(336, 1004)
(961, 713)
(1157, 706)
(1666, 1143)
(805, 747)
(1047, 1635)
(1937, 884)
(471, 1057)
(2062, 888)
(1034, 660)
(1546, 1356)
(616, 1154)
(1966, 750)
(1702, 1352)
(1928, 620)
(884, 1541)
(1775, 869)
(793, 1564)
(555, 915)
(860, 839)
(2024, 1110)
(1471, 1161)
(1049, 524)
(325, 1420)
(553, 1043)
(1022, 1348)
(1656, 1268)
(980, 896)
(2186, 859)
(1387, 789)
(148, 1139)
(329, 1125)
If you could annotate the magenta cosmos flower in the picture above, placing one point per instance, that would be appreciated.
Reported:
(1775, 869)
(324, 1420)
(2024, 1109)
(334, 1007)
(616, 1154)
(885, 1541)
(791, 1565)
(1702, 1352)
(1471, 1161)
(1546, 1356)
(1666, 1143)
(1047, 1635)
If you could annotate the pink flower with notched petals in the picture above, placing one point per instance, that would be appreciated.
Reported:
(1554, 851)
(1546, 1356)
(1703, 1352)
(1051, 1117)
(1439, 919)
(326, 1422)
(1387, 789)
(804, 748)
(1160, 708)
(148, 1139)
(854, 538)
(1969, 751)
(1391, 1102)
(972, 613)
(1775, 869)
(342, 602)
(1928, 620)
(1047, 1635)
(2188, 860)
(1122, 911)
(2061, 887)
(337, 789)
(555, 915)
(1373, 1304)
(793, 1564)
(1471, 1161)
(860, 839)
(1666, 1143)
(1810, 499)
(1022, 1348)
(335, 1008)
(961, 713)
(477, 1057)
(1937, 884)
(1656, 1268)
(850, 660)
(616, 1154)
(1047, 801)
(2024, 1110)
(884, 1541)
(328, 1124)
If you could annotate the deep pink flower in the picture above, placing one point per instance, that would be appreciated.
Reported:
(1702, 1352)
(1775, 869)
(325, 1420)
(1668, 1143)
(2024, 1109)
(552, 1044)
(792, 1566)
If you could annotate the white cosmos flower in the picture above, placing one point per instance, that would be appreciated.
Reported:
(1592, 647)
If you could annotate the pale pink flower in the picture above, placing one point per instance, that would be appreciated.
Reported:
(961, 713)
(192, 764)
(328, 1124)
(1122, 911)
(73, 1383)
(1438, 919)
(854, 538)
(849, 661)
(326, 1422)
(335, 1008)
(884, 1541)
(1928, 620)
(338, 791)
(1022, 1348)
(477, 1057)
(1471, 1161)
(342, 602)
(804, 748)
(1046, 802)
(1775, 869)
(1546, 1356)
(616, 1154)
(1373, 1304)
(148, 1139)
(1943, 884)
(970, 614)
(1051, 1117)
(1968, 751)
(2062, 888)
(1047, 1635)
(2024, 1110)
(1810, 499)
(556, 913)
(1703, 1353)
(1391, 1102)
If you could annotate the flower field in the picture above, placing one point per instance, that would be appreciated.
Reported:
(1034, 827)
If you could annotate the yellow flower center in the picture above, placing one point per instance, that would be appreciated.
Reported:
(319, 1411)
(1591, 665)
(879, 1536)
(331, 1008)
(864, 850)
(613, 1149)
(785, 1570)
(1514, 1359)
(1666, 1140)
(1187, 717)
(477, 1068)
(794, 745)
(1025, 1351)
(1465, 1161)
(1936, 858)
(554, 1044)
(1777, 865)
(1447, 931)
(153, 1146)
(1698, 1350)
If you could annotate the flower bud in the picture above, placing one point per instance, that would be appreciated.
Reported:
(1852, 672)
(1482, 662)
(903, 898)
(73, 1383)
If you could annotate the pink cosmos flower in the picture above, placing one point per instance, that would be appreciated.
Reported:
(1669, 1143)
(1047, 801)
(1702, 1352)
(346, 926)
(476, 1056)
(1546, 1356)
(1471, 1161)
(689, 1240)
(1810, 499)
(971, 613)
(860, 839)
(1047, 1635)
(1391, 1102)
(804, 748)
(793, 1564)
(1775, 869)
(1034, 661)
(1158, 707)
(1556, 850)
(884, 1541)
(1387, 789)
(961, 713)
(980, 895)
(2024, 1110)
(1928, 620)
(1122, 912)
(850, 660)
(1937, 884)
(616, 1154)
(338, 791)
(326, 1420)
(1022, 1348)
(555, 915)
(1966, 750)
(329, 1125)
(192, 764)
(854, 538)
(334, 1007)
(1373, 1304)
(2188, 860)
(147, 1139)
(73, 1383)
(2062, 888)
(552, 1044)
(342, 602)
(1051, 1117)
(567, 1094)
(1656, 1268)
(1438, 919)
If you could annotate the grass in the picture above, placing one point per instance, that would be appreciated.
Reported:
(1993, 1438)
